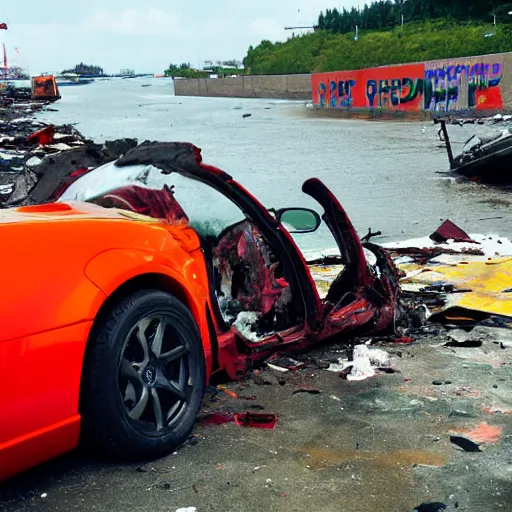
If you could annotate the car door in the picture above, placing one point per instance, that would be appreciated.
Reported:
(363, 296)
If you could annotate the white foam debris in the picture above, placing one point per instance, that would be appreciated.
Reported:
(7, 156)
(244, 322)
(379, 357)
(313, 255)
(370, 256)
(339, 367)
(6, 189)
(23, 120)
(361, 365)
(364, 362)
(491, 245)
(403, 260)
(60, 146)
(34, 161)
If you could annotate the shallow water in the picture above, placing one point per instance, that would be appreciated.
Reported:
(386, 174)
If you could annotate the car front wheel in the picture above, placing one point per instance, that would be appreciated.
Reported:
(143, 378)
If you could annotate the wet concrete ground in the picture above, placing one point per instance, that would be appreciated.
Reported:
(380, 444)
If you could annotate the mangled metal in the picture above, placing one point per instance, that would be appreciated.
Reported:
(263, 294)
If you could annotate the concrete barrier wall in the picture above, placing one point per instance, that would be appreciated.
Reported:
(293, 87)
(482, 84)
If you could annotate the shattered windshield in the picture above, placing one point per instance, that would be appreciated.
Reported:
(467, 135)
(483, 136)
(169, 197)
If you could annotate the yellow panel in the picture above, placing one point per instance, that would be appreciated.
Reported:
(486, 280)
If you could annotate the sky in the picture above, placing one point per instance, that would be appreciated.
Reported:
(146, 35)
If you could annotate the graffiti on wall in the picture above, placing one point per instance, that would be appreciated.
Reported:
(468, 83)
(391, 87)
(463, 84)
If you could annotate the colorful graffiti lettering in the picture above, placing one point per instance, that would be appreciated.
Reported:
(472, 83)
(397, 87)
(394, 92)
(341, 93)
(455, 86)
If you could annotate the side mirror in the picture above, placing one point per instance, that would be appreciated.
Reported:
(298, 220)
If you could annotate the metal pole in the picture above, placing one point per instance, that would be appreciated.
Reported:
(447, 140)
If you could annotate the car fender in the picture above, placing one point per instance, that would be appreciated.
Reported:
(113, 268)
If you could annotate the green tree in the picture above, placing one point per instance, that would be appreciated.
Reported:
(324, 50)
(385, 14)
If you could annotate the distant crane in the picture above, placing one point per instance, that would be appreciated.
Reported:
(3, 26)
(314, 27)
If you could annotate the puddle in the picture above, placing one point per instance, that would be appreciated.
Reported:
(321, 458)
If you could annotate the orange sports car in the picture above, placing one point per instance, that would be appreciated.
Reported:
(145, 277)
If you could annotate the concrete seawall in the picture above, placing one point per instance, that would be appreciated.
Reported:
(292, 87)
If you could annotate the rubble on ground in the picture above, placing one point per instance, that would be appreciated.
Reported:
(38, 160)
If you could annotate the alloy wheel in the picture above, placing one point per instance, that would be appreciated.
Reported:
(154, 375)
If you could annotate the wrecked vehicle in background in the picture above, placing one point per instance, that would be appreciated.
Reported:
(147, 276)
(486, 155)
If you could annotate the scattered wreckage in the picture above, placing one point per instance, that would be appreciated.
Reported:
(37, 160)
(487, 155)
(176, 273)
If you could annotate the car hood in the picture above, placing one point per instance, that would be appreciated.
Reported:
(71, 210)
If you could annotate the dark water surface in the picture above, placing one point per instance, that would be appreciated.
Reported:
(384, 173)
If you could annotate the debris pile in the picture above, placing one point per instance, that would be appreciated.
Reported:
(453, 285)
(462, 280)
(38, 161)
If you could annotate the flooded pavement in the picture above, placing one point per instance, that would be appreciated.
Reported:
(384, 173)
(378, 444)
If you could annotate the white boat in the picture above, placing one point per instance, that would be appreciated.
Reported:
(69, 79)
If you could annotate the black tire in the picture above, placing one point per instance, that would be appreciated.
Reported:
(113, 379)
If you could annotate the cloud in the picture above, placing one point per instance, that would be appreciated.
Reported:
(132, 22)
(266, 28)
(147, 36)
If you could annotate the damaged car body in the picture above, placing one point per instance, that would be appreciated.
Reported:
(186, 275)
(262, 295)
